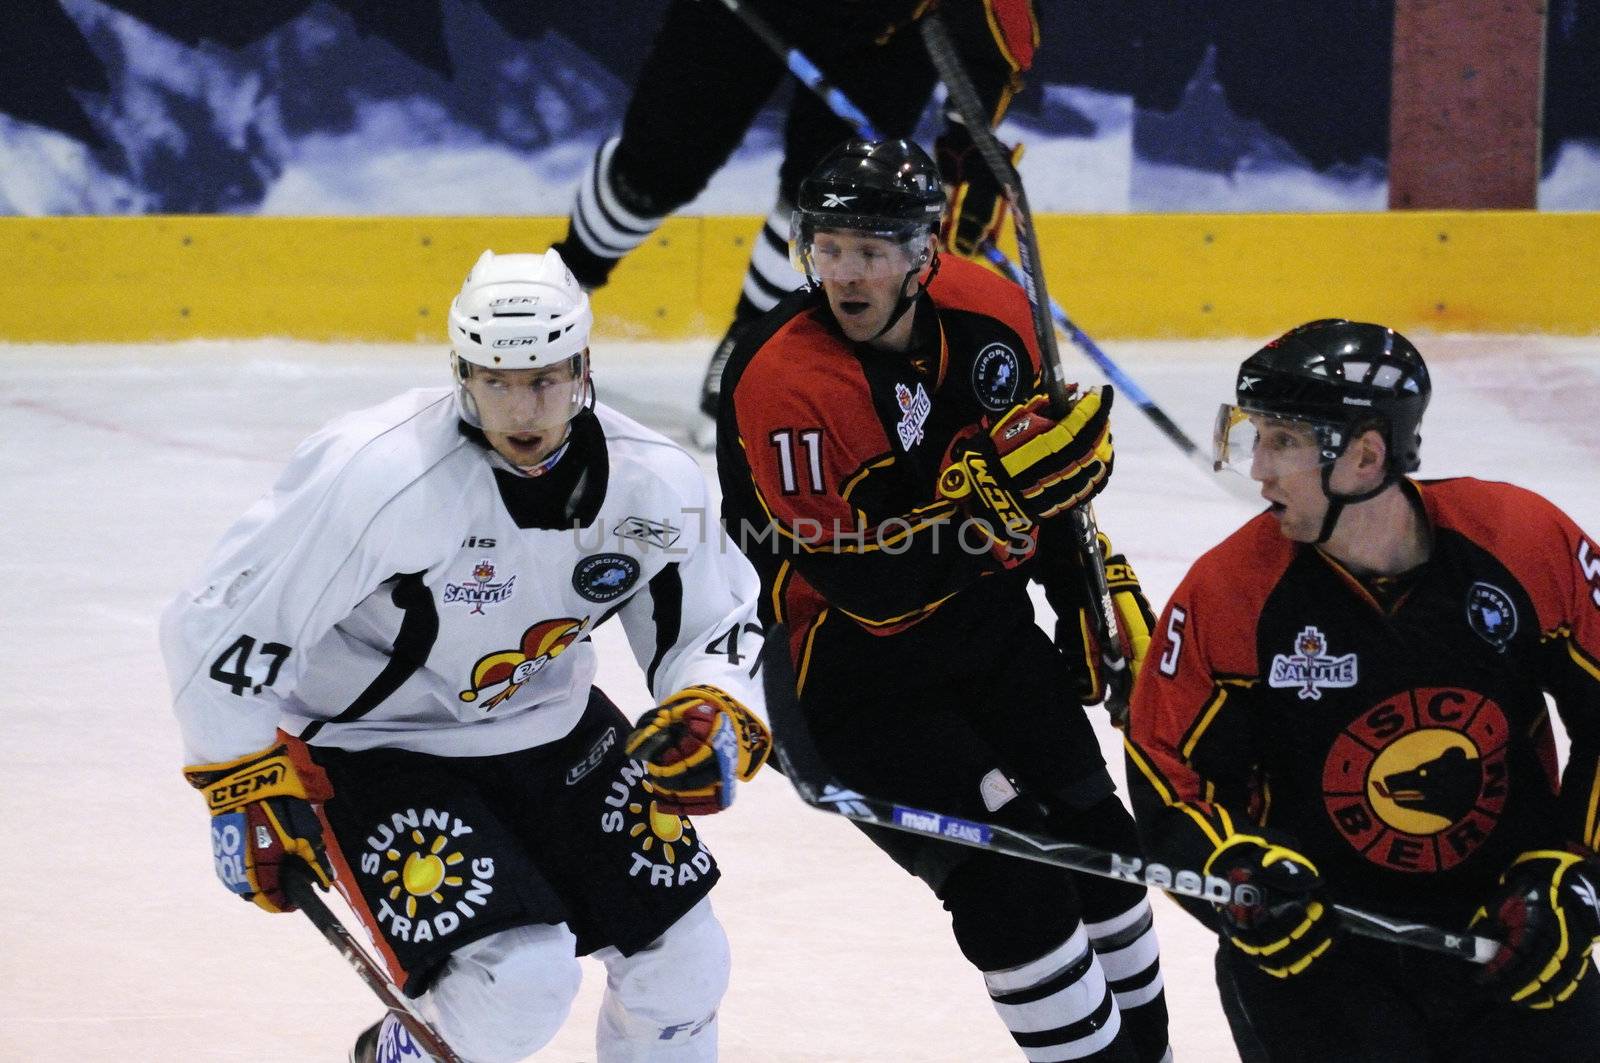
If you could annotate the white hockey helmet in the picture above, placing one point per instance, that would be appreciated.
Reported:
(523, 315)
(519, 312)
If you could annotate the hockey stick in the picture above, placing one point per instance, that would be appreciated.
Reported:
(298, 886)
(1119, 676)
(812, 78)
(802, 765)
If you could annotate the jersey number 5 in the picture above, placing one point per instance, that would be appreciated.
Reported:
(790, 442)
(1175, 622)
(1591, 569)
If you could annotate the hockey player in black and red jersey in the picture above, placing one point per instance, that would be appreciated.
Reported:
(386, 674)
(672, 141)
(889, 465)
(1345, 702)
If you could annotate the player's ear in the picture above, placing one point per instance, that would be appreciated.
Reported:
(1372, 456)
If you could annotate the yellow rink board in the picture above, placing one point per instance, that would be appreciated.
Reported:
(1118, 275)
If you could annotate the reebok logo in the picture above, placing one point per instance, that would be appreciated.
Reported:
(833, 199)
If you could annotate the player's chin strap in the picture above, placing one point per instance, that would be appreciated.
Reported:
(1336, 503)
(906, 302)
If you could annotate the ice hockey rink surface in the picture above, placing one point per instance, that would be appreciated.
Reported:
(120, 467)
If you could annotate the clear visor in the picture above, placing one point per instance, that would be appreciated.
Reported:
(1245, 441)
(848, 255)
(522, 401)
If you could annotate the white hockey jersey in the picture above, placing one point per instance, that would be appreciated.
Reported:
(389, 591)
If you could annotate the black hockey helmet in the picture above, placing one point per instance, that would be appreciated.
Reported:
(888, 188)
(1343, 377)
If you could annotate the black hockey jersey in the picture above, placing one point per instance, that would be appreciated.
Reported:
(1404, 745)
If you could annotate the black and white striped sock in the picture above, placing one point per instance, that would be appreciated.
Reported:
(605, 229)
(770, 276)
(1131, 958)
(1058, 1007)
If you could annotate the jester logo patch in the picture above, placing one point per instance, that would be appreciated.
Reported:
(1418, 782)
(502, 673)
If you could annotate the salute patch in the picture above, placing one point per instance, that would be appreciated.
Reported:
(1311, 667)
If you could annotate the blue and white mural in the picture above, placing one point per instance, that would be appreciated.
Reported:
(494, 106)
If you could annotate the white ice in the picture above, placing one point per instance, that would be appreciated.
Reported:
(119, 467)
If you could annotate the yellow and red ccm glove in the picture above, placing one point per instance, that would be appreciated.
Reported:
(261, 816)
(697, 746)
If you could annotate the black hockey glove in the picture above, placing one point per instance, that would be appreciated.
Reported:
(1066, 588)
(977, 207)
(1287, 927)
(1547, 914)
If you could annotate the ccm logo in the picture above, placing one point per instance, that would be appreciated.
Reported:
(237, 790)
(517, 341)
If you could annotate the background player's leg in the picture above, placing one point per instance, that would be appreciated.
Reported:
(671, 142)
(1121, 927)
(891, 83)
(661, 1002)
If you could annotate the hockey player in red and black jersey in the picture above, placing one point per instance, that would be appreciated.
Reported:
(1346, 702)
(893, 472)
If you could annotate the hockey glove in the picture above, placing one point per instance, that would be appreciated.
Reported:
(977, 205)
(1287, 927)
(697, 746)
(1068, 593)
(262, 816)
(1027, 466)
(1547, 915)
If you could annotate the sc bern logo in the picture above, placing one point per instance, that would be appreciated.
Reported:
(605, 577)
(1418, 782)
(1492, 614)
(994, 376)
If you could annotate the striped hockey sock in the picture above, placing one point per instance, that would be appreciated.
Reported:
(770, 276)
(602, 228)
(1059, 1007)
(1129, 955)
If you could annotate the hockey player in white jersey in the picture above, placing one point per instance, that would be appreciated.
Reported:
(386, 672)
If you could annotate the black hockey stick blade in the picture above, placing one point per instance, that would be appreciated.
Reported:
(802, 765)
(299, 886)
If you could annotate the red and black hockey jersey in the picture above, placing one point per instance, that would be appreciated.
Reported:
(1405, 746)
(829, 453)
